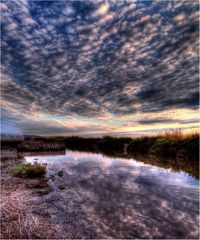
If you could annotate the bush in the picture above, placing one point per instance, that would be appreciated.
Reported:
(112, 144)
(191, 146)
(29, 170)
(141, 145)
(164, 147)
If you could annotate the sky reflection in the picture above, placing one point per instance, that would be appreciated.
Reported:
(121, 198)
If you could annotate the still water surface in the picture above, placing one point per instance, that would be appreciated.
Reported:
(108, 197)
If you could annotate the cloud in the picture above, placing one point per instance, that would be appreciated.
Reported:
(14, 124)
(189, 121)
(103, 9)
(157, 120)
(89, 58)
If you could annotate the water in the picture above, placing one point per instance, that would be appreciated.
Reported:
(121, 198)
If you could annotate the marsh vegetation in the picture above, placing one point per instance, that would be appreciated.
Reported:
(29, 170)
(171, 149)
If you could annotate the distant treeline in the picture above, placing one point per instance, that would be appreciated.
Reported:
(175, 151)
(173, 145)
(106, 144)
(185, 147)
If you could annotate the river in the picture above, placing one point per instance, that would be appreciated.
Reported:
(103, 197)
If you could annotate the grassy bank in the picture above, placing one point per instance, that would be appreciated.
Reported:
(166, 146)
(24, 212)
(29, 170)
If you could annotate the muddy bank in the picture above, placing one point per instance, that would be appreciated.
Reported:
(24, 212)
(30, 209)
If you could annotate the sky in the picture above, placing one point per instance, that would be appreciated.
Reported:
(94, 68)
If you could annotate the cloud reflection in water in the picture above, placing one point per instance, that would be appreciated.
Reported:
(121, 198)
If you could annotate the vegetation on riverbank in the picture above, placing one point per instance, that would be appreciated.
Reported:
(176, 151)
(107, 144)
(174, 145)
(166, 144)
(187, 147)
(169, 149)
(29, 170)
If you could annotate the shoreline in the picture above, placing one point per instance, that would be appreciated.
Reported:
(29, 209)
(24, 212)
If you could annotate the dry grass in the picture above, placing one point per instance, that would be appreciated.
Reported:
(19, 221)
(23, 215)
(177, 133)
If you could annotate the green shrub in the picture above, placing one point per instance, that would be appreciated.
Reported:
(29, 170)
(164, 147)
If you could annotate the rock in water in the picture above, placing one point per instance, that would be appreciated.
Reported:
(61, 186)
(53, 177)
(60, 173)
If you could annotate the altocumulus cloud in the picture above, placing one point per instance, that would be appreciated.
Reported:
(94, 58)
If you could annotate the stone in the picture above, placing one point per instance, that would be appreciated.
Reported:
(44, 191)
(61, 186)
(53, 177)
(60, 173)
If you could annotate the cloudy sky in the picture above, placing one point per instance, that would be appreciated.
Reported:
(99, 67)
